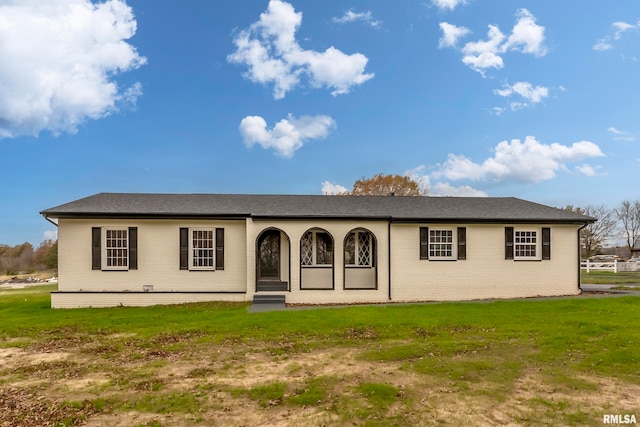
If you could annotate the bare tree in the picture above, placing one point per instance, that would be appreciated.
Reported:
(595, 235)
(629, 216)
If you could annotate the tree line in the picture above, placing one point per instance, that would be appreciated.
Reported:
(26, 258)
(621, 223)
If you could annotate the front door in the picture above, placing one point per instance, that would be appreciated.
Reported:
(269, 255)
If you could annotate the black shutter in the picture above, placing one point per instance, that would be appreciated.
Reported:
(133, 248)
(424, 242)
(219, 248)
(508, 243)
(96, 248)
(546, 243)
(462, 243)
(184, 248)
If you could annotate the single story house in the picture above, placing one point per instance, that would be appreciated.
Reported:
(147, 249)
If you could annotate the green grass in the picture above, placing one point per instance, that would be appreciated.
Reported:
(476, 350)
(609, 277)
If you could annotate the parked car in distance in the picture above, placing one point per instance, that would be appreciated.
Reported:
(634, 260)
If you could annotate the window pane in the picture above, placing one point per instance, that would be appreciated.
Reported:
(350, 249)
(364, 248)
(323, 248)
(306, 249)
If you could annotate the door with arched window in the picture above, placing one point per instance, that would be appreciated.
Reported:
(269, 255)
(272, 261)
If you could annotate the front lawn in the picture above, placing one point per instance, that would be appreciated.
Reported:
(561, 361)
(609, 277)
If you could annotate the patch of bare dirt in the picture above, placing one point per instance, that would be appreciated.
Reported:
(36, 387)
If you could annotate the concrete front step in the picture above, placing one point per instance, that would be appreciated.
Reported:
(269, 299)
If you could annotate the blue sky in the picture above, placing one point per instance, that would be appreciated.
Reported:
(532, 99)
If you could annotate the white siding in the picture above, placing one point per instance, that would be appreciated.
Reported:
(158, 260)
(485, 273)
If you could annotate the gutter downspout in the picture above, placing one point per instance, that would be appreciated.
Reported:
(49, 219)
(389, 254)
(579, 260)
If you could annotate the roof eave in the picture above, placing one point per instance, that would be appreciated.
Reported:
(121, 215)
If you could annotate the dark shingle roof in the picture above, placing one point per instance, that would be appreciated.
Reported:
(435, 209)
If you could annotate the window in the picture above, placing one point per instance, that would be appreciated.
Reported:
(443, 243)
(316, 248)
(114, 248)
(528, 243)
(440, 243)
(358, 249)
(202, 248)
(116, 253)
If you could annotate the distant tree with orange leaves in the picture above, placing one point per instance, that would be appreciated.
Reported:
(387, 185)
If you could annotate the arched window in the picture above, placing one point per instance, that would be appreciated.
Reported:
(316, 260)
(360, 270)
(316, 248)
(358, 248)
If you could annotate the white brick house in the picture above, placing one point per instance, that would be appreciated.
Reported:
(147, 249)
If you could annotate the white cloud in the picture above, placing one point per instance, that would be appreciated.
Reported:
(586, 170)
(448, 4)
(602, 45)
(451, 34)
(525, 90)
(270, 51)
(528, 161)
(621, 135)
(288, 135)
(530, 94)
(51, 235)
(526, 37)
(483, 54)
(351, 16)
(440, 188)
(58, 60)
(446, 189)
(619, 27)
(331, 188)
